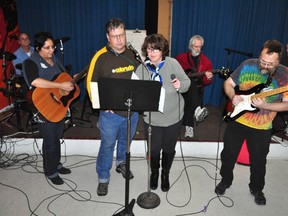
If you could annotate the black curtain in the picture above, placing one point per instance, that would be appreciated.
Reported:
(151, 16)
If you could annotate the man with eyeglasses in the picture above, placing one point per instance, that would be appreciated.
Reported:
(264, 74)
(112, 61)
(198, 67)
(23, 52)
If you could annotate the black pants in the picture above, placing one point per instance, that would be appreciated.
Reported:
(258, 143)
(163, 138)
(193, 99)
(51, 134)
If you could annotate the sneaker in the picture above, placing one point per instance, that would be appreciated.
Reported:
(200, 114)
(221, 188)
(197, 111)
(189, 132)
(259, 197)
(121, 168)
(102, 189)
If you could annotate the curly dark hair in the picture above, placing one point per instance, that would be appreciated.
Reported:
(40, 38)
(273, 46)
(155, 41)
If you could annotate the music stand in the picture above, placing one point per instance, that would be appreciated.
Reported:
(130, 95)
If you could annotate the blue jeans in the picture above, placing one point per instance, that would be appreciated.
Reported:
(113, 127)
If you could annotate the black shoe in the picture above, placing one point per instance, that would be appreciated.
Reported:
(57, 180)
(259, 197)
(121, 168)
(165, 184)
(221, 188)
(102, 189)
(64, 170)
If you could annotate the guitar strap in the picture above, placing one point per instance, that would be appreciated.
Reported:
(269, 80)
(61, 68)
(193, 69)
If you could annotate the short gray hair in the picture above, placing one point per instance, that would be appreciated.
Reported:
(193, 38)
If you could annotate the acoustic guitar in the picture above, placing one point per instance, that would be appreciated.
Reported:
(53, 103)
(234, 112)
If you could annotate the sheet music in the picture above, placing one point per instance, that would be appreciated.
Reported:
(161, 100)
(136, 39)
(95, 95)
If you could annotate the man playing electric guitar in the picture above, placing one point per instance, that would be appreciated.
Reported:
(255, 127)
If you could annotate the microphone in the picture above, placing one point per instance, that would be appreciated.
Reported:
(61, 45)
(173, 76)
(239, 52)
(129, 45)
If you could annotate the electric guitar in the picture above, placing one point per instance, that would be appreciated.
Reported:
(223, 71)
(245, 105)
(53, 103)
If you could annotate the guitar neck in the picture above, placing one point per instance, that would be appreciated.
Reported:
(198, 74)
(270, 93)
(80, 75)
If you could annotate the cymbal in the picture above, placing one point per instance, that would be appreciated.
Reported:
(8, 56)
(18, 66)
(63, 39)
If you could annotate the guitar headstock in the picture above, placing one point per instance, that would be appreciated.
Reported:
(224, 72)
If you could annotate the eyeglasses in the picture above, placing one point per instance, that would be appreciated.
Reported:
(153, 50)
(24, 39)
(49, 47)
(117, 37)
(268, 64)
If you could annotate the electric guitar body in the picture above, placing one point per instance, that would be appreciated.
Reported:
(234, 112)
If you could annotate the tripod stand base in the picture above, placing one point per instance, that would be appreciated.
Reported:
(128, 209)
(148, 200)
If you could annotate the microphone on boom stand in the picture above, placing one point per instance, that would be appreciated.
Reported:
(146, 200)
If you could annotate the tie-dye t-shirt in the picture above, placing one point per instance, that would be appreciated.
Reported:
(246, 76)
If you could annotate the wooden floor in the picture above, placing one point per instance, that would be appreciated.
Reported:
(83, 125)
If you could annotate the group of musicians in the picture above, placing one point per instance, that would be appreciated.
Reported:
(267, 71)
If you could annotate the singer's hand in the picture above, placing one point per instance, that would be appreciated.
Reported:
(176, 83)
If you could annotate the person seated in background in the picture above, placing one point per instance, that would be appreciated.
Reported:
(23, 52)
(198, 67)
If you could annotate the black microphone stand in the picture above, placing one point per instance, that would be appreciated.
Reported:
(62, 51)
(127, 211)
(145, 97)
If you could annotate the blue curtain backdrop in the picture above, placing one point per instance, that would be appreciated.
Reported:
(83, 21)
(242, 25)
